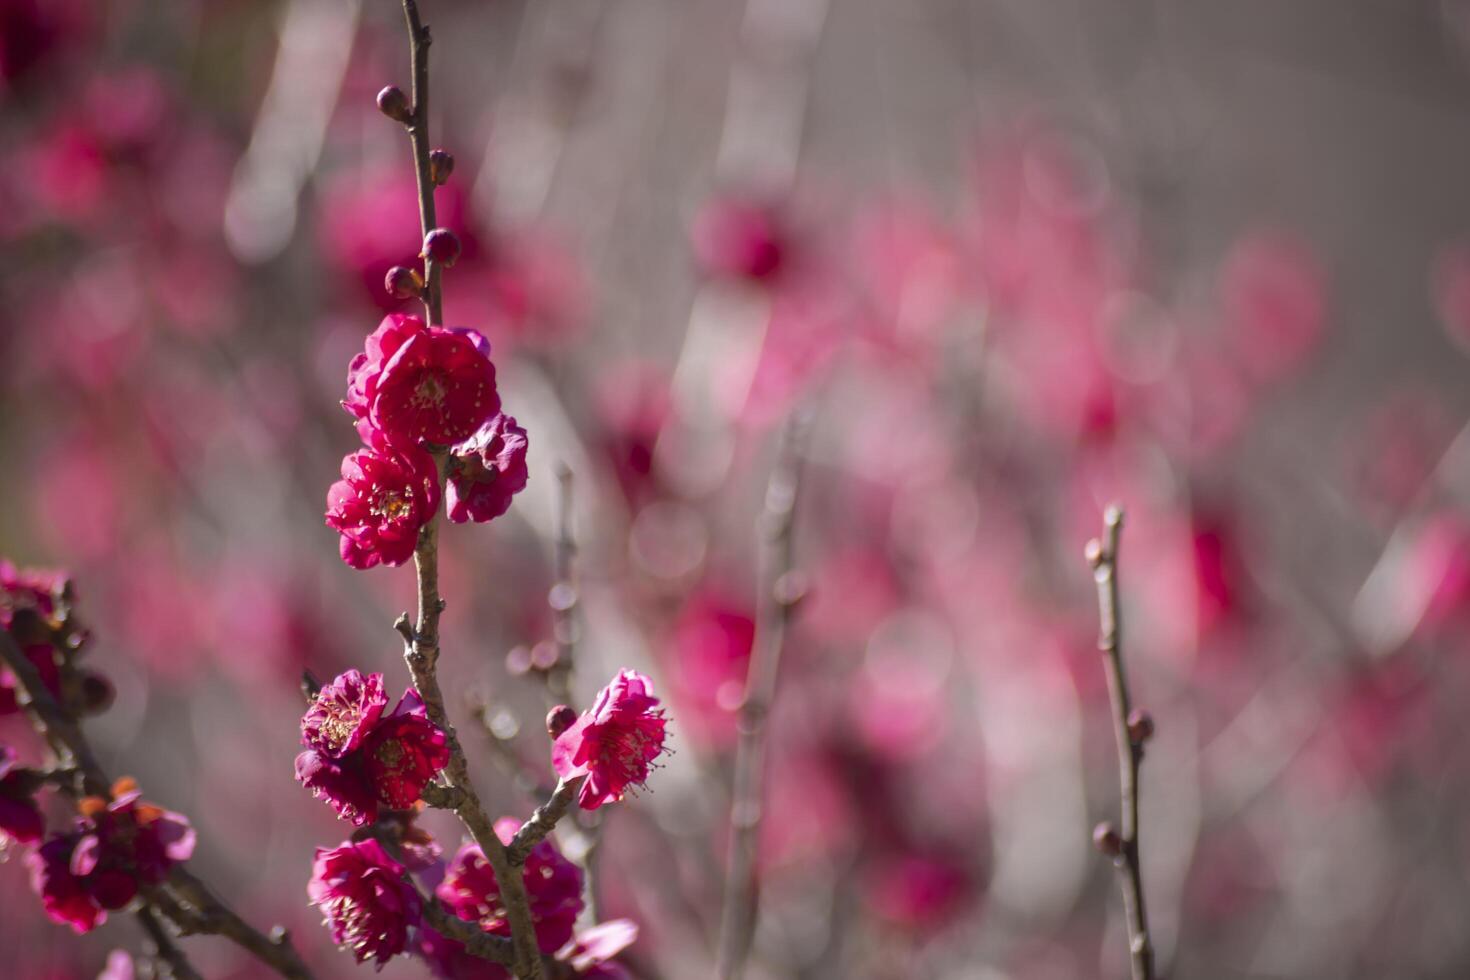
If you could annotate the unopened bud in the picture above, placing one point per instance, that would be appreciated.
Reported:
(97, 693)
(403, 282)
(1105, 838)
(559, 719)
(394, 104)
(441, 165)
(1140, 726)
(442, 247)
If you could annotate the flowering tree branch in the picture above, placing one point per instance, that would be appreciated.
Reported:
(780, 591)
(1131, 729)
(422, 643)
(185, 900)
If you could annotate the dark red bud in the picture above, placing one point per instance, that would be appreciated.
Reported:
(1105, 838)
(97, 693)
(442, 247)
(559, 719)
(403, 282)
(441, 165)
(1140, 726)
(394, 104)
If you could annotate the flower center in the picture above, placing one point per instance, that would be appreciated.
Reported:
(429, 393)
(392, 504)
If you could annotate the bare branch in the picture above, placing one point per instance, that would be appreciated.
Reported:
(544, 820)
(779, 595)
(1122, 846)
(564, 596)
(418, 135)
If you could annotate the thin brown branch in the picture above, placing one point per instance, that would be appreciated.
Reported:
(475, 940)
(1103, 556)
(564, 596)
(205, 912)
(780, 592)
(421, 653)
(544, 820)
(418, 135)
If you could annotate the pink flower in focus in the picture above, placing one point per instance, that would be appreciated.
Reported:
(553, 883)
(368, 904)
(615, 743)
(343, 713)
(20, 820)
(486, 471)
(383, 499)
(437, 388)
(358, 758)
(366, 368)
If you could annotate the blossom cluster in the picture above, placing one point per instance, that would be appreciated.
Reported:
(369, 898)
(415, 391)
(359, 758)
(374, 908)
(118, 848)
(119, 844)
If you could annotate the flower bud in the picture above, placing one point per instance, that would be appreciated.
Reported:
(1105, 838)
(403, 282)
(97, 693)
(441, 165)
(559, 719)
(441, 246)
(394, 104)
(1140, 726)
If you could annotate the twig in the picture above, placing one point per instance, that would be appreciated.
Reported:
(1122, 845)
(163, 949)
(208, 914)
(422, 642)
(564, 596)
(475, 940)
(543, 821)
(421, 653)
(418, 136)
(779, 594)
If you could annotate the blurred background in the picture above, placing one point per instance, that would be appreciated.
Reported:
(1014, 259)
